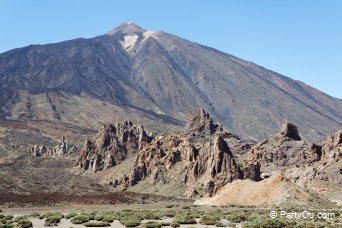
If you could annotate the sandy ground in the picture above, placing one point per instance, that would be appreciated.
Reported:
(272, 191)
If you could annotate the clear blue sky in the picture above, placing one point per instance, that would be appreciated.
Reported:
(300, 39)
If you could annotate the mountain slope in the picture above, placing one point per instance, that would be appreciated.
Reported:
(164, 77)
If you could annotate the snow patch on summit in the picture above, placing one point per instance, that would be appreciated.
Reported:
(148, 34)
(129, 42)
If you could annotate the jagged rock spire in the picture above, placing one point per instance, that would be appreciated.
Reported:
(290, 130)
(199, 121)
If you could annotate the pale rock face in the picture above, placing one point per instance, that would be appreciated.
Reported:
(129, 42)
(149, 34)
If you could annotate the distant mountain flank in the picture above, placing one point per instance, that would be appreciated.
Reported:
(156, 78)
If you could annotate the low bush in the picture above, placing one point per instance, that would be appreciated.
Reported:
(152, 215)
(209, 220)
(310, 224)
(8, 217)
(267, 223)
(185, 219)
(152, 225)
(236, 217)
(52, 220)
(19, 218)
(89, 215)
(99, 217)
(34, 215)
(174, 224)
(24, 223)
(220, 224)
(108, 218)
(130, 222)
(70, 215)
(79, 219)
(165, 223)
(169, 213)
(49, 214)
(96, 224)
(6, 225)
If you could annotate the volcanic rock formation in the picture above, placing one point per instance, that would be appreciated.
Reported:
(198, 158)
(111, 145)
(204, 157)
(62, 149)
(284, 149)
(332, 146)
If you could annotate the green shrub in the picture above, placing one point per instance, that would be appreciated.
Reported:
(79, 219)
(174, 224)
(52, 220)
(108, 218)
(8, 217)
(185, 219)
(169, 213)
(236, 217)
(4, 222)
(152, 225)
(266, 223)
(70, 215)
(34, 215)
(209, 219)
(153, 215)
(308, 224)
(220, 224)
(24, 223)
(49, 214)
(99, 217)
(17, 219)
(170, 206)
(186, 207)
(89, 215)
(96, 224)
(130, 222)
(6, 225)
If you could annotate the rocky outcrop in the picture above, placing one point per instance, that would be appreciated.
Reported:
(199, 121)
(284, 149)
(111, 145)
(332, 146)
(289, 130)
(200, 156)
(62, 149)
(199, 160)
(38, 150)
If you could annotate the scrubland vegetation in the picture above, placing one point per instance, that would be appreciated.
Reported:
(230, 216)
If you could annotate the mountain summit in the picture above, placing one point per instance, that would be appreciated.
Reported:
(126, 28)
(156, 78)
